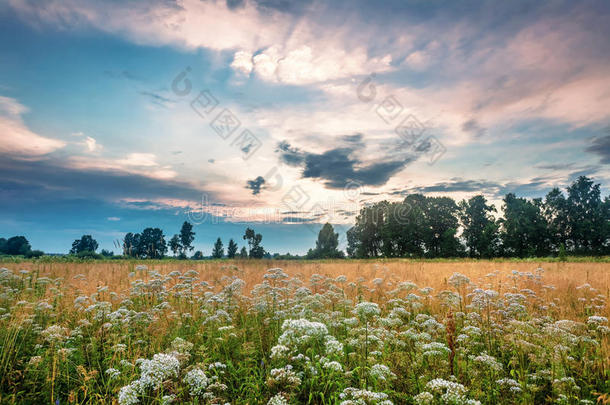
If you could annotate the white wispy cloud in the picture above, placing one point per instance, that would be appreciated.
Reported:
(16, 138)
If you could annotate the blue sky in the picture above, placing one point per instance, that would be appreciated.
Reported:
(99, 135)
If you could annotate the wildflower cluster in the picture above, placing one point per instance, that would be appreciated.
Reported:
(174, 337)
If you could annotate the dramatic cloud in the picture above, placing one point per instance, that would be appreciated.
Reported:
(601, 146)
(255, 185)
(23, 180)
(16, 138)
(339, 167)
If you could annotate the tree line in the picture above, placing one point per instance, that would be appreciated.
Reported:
(151, 244)
(577, 222)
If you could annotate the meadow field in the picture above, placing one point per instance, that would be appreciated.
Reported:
(289, 332)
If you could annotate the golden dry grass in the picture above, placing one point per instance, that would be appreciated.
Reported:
(564, 276)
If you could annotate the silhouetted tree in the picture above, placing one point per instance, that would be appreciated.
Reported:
(152, 244)
(587, 227)
(174, 245)
(17, 245)
(231, 249)
(480, 229)
(524, 228)
(198, 255)
(187, 236)
(326, 245)
(131, 245)
(244, 253)
(107, 253)
(254, 242)
(218, 250)
(85, 244)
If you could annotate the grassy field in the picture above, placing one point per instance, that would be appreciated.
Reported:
(350, 332)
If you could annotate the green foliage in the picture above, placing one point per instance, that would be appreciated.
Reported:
(198, 255)
(480, 229)
(423, 226)
(85, 244)
(150, 244)
(326, 245)
(15, 246)
(254, 243)
(187, 236)
(232, 249)
(290, 340)
(34, 254)
(218, 251)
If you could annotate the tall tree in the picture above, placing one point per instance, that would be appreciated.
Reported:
(17, 245)
(218, 251)
(243, 253)
(152, 244)
(187, 236)
(254, 242)
(585, 216)
(440, 235)
(3, 246)
(365, 237)
(555, 210)
(231, 249)
(326, 245)
(131, 245)
(175, 245)
(85, 244)
(480, 231)
(524, 227)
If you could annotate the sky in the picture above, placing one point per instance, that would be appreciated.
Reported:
(283, 115)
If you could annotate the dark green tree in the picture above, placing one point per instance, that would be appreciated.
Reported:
(365, 237)
(187, 236)
(254, 243)
(218, 251)
(17, 245)
(131, 245)
(243, 253)
(198, 255)
(152, 244)
(480, 231)
(587, 227)
(524, 230)
(3, 246)
(326, 245)
(107, 253)
(174, 245)
(85, 244)
(440, 228)
(555, 210)
(231, 249)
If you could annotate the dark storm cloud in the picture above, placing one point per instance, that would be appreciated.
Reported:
(585, 171)
(457, 185)
(536, 187)
(255, 185)
(339, 166)
(601, 147)
(47, 180)
(296, 220)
